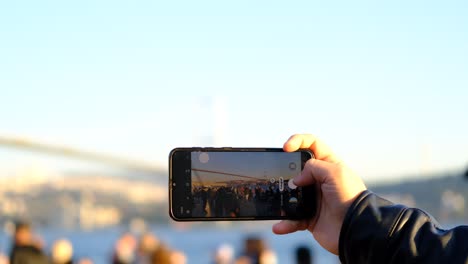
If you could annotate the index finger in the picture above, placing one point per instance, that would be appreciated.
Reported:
(309, 141)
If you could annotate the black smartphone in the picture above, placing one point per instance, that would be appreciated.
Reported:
(238, 184)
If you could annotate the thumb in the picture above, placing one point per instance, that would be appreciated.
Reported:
(315, 171)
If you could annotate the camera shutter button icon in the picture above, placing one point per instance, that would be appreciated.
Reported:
(281, 184)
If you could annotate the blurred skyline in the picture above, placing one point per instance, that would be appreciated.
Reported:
(384, 84)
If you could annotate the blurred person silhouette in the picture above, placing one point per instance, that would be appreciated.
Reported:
(26, 247)
(362, 227)
(178, 257)
(162, 255)
(125, 249)
(303, 255)
(62, 252)
(256, 252)
(147, 244)
(223, 254)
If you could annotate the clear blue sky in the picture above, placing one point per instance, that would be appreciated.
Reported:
(385, 84)
(263, 166)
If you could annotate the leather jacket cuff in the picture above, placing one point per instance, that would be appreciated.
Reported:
(366, 228)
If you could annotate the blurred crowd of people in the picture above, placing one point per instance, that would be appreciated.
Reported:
(145, 249)
(28, 248)
(256, 251)
(234, 199)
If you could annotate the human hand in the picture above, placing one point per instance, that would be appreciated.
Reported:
(339, 187)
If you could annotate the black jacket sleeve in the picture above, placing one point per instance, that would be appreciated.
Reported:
(378, 231)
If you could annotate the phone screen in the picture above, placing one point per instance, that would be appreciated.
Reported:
(223, 185)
